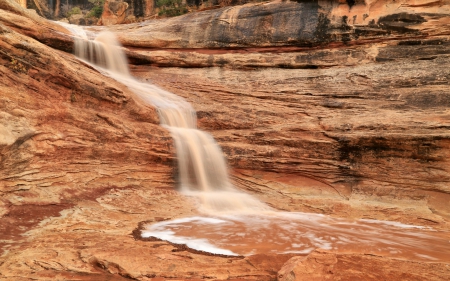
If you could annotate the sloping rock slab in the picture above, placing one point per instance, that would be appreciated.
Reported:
(322, 265)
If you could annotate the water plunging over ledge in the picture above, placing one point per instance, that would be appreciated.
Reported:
(237, 223)
(201, 165)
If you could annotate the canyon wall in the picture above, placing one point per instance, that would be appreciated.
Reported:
(335, 100)
(333, 107)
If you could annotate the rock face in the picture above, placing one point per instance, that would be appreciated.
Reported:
(323, 140)
(63, 125)
(322, 265)
(333, 107)
(113, 12)
(28, 23)
(22, 3)
(299, 24)
(361, 114)
(140, 8)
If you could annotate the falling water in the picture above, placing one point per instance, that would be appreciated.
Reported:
(235, 225)
(201, 165)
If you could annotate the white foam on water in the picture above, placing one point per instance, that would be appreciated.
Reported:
(206, 220)
(302, 252)
(393, 223)
(426, 257)
(76, 30)
(195, 244)
(300, 233)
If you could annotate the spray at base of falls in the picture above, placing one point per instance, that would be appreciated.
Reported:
(202, 169)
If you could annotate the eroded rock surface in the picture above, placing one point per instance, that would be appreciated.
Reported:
(63, 126)
(28, 23)
(356, 141)
(113, 12)
(292, 23)
(322, 265)
(345, 113)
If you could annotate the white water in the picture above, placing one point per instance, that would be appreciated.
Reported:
(301, 233)
(201, 166)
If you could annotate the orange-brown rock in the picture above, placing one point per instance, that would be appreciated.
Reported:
(321, 265)
(354, 141)
(301, 24)
(22, 3)
(63, 126)
(28, 23)
(113, 12)
(346, 118)
(350, 118)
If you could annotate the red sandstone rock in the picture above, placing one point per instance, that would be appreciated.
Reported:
(292, 23)
(63, 126)
(28, 23)
(321, 265)
(356, 131)
(113, 12)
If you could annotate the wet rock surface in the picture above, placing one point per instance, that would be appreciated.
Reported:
(341, 116)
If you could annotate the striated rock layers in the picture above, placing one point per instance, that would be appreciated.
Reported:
(340, 101)
(334, 107)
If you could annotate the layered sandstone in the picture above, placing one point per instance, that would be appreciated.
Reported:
(63, 126)
(350, 105)
(323, 265)
(319, 106)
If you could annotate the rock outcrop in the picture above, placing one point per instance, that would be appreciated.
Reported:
(333, 107)
(28, 23)
(22, 3)
(113, 12)
(361, 108)
(322, 265)
(63, 126)
(297, 23)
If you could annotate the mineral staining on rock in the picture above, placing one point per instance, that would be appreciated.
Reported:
(354, 125)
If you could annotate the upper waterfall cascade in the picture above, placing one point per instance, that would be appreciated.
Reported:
(201, 165)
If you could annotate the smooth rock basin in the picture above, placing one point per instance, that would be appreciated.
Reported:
(301, 233)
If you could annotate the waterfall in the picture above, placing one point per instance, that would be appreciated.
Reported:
(201, 164)
(203, 175)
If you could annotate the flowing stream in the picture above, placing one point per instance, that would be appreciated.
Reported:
(236, 223)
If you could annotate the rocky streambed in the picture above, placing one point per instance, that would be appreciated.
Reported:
(319, 106)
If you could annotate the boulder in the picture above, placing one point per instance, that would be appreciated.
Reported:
(77, 19)
(113, 12)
